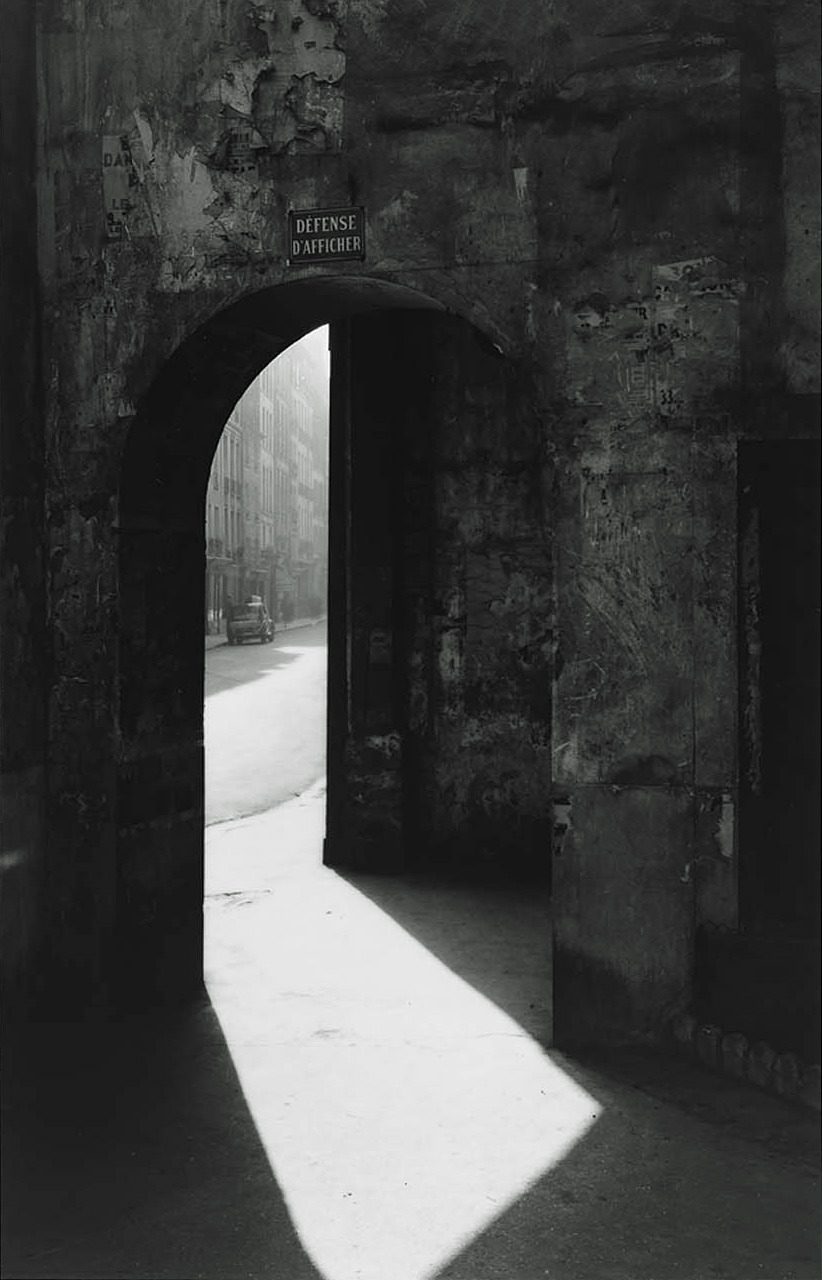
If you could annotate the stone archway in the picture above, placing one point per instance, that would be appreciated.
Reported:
(441, 607)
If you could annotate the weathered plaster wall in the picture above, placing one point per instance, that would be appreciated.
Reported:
(481, 637)
(621, 199)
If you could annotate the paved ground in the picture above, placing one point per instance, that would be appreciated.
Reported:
(264, 721)
(366, 1096)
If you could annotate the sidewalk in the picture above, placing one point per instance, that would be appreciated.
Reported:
(214, 642)
(367, 1095)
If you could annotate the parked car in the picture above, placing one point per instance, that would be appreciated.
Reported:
(250, 621)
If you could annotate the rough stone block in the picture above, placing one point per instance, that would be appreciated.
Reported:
(683, 1030)
(787, 1075)
(810, 1089)
(760, 1065)
(734, 1054)
(708, 1041)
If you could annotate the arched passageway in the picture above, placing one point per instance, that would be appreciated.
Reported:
(440, 607)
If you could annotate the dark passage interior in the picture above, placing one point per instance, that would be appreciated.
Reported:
(764, 979)
(779, 516)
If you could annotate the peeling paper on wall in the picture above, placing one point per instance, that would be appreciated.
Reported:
(521, 184)
(725, 828)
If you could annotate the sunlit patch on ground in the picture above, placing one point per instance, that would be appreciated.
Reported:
(402, 1111)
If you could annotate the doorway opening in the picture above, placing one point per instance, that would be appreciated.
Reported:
(157, 939)
(440, 599)
(266, 589)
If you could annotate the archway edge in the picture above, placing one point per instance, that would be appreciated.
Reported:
(207, 371)
(304, 302)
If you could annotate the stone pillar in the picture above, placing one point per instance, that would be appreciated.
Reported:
(645, 722)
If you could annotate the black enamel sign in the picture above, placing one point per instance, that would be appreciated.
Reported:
(325, 235)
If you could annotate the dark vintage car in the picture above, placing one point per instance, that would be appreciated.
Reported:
(250, 621)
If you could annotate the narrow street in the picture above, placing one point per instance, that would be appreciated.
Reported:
(264, 722)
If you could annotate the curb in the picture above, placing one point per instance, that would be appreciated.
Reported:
(731, 1054)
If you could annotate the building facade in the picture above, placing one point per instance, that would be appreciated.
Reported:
(224, 523)
(267, 497)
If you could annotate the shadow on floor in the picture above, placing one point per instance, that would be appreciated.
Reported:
(130, 1151)
(496, 937)
(676, 1179)
(232, 665)
(650, 1194)
(242, 665)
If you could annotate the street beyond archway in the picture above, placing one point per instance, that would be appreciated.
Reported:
(264, 722)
